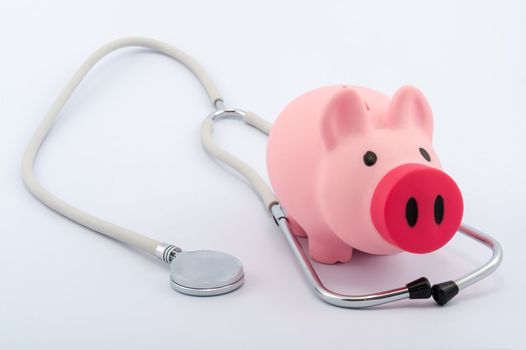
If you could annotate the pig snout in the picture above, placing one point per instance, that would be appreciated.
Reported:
(417, 208)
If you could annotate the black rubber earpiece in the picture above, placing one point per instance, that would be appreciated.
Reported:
(444, 292)
(419, 288)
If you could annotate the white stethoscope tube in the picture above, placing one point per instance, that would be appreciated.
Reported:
(182, 273)
(114, 231)
(184, 264)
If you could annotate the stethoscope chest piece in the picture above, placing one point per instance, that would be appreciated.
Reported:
(206, 273)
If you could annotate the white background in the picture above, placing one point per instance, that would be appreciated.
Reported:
(127, 150)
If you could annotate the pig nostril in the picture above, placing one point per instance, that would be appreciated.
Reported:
(411, 212)
(439, 209)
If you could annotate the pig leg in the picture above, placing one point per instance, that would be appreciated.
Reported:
(296, 228)
(327, 248)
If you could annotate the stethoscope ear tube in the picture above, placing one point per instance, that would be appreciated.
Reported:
(342, 300)
(442, 292)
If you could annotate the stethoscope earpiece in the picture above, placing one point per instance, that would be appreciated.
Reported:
(444, 292)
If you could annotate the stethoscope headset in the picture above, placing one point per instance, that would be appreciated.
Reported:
(207, 272)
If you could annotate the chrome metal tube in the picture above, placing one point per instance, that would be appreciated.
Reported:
(490, 266)
(342, 300)
(368, 300)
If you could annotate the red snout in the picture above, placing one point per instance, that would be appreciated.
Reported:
(417, 208)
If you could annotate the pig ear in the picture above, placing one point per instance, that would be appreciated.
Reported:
(345, 114)
(409, 108)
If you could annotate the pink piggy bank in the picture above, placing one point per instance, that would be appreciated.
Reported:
(356, 170)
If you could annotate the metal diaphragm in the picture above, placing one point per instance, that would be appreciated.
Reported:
(206, 273)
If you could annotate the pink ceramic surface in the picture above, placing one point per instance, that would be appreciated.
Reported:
(349, 166)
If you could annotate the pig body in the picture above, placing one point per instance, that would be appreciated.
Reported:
(329, 151)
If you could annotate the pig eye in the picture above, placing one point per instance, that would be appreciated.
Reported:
(424, 154)
(369, 158)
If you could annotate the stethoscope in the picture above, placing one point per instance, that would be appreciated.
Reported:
(207, 272)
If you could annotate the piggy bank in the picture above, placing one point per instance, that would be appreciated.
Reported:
(354, 169)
